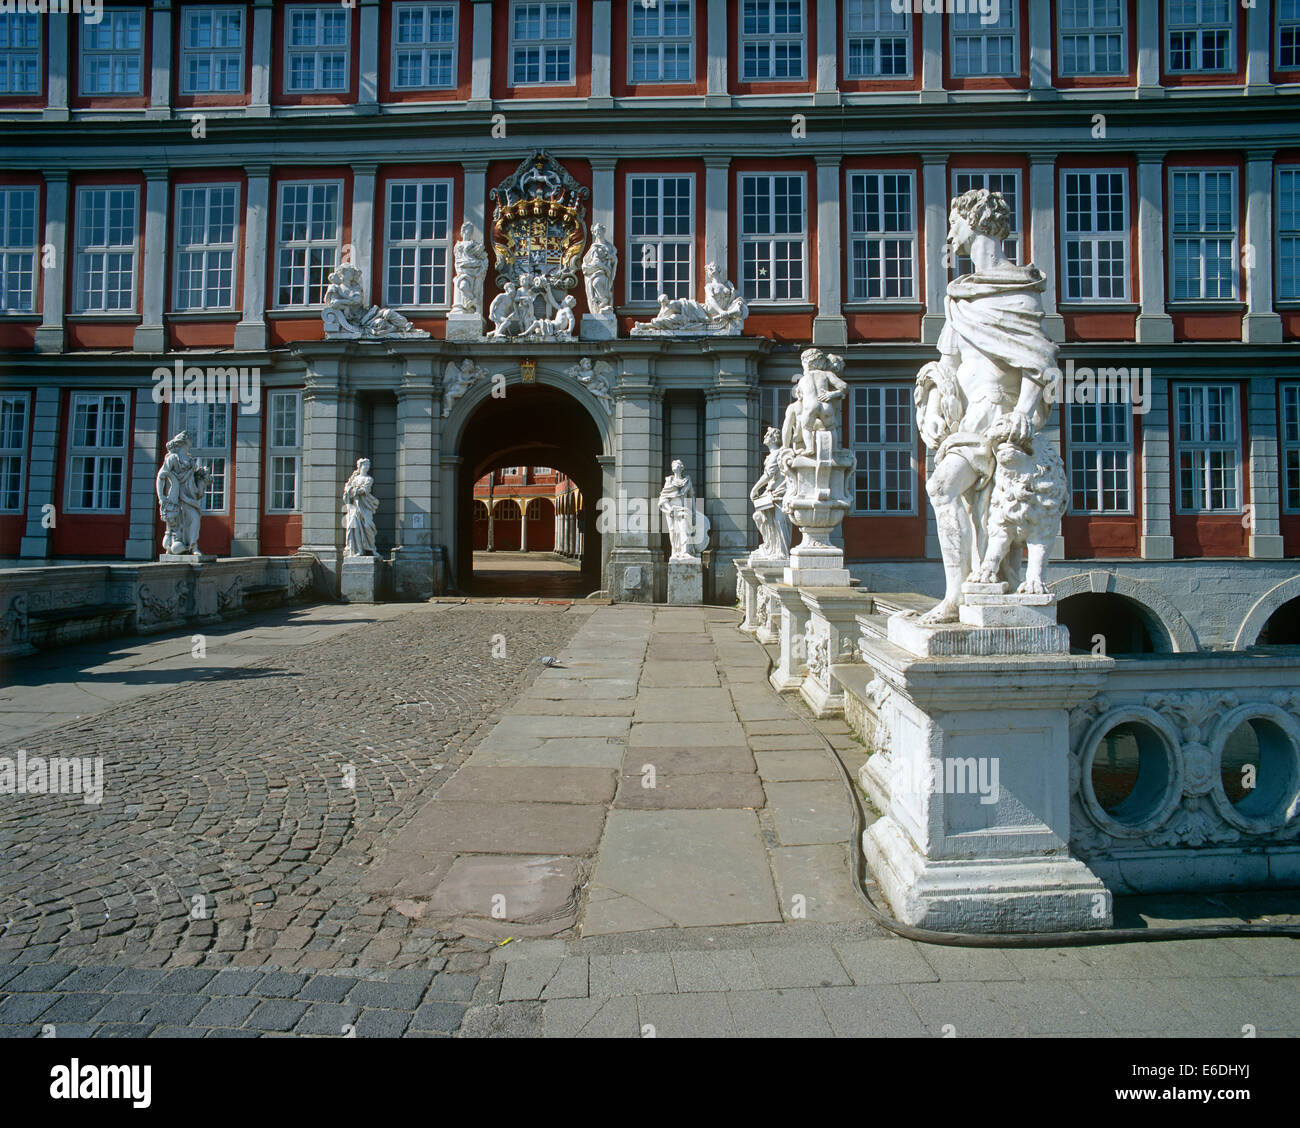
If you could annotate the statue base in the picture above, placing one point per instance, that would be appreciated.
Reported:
(816, 565)
(186, 558)
(645, 329)
(361, 579)
(686, 582)
(598, 327)
(464, 327)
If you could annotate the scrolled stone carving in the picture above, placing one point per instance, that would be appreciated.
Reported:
(346, 315)
(984, 392)
(180, 484)
(359, 507)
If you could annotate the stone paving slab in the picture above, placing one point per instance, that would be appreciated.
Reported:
(683, 868)
(660, 734)
(814, 881)
(561, 752)
(503, 828)
(663, 674)
(531, 785)
(789, 767)
(668, 761)
(700, 790)
(809, 812)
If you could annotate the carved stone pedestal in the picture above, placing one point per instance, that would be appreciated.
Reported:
(686, 582)
(186, 558)
(362, 579)
(464, 327)
(595, 327)
(974, 771)
(830, 638)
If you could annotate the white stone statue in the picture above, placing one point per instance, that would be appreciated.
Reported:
(815, 405)
(727, 309)
(345, 314)
(457, 379)
(598, 377)
(721, 314)
(599, 266)
(510, 316)
(471, 264)
(767, 494)
(984, 392)
(180, 485)
(359, 506)
(557, 328)
(686, 528)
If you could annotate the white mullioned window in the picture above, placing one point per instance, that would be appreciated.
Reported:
(13, 450)
(1006, 181)
(542, 44)
(309, 236)
(1203, 234)
(284, 452)
(1095, 234)
(106, 247)
(884, 449)
(1290, 435)
(877, 40)
(1101, 457)
(661, 40)
(772, 403)
(112, 52)
(209, 428)
(317, 48)
(1207, 448)
(660, 238)
(207, 226)
(97, 446)
(772, 40)
(1199, 36)
(1092, 37)
(1288, 34)
(773, 236)
(1288, 234)
(882, 236)
(417, 246)
(212, 50)
(985, 50)
(20, 53)
(19, 247)
(424, 46)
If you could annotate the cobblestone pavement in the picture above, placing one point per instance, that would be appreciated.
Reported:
(239, 812)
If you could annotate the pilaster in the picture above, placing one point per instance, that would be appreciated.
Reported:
(1154, 325)
(250, 333)
(50, 337)
(150, 334)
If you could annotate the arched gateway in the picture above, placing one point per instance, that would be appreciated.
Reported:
(431, 434)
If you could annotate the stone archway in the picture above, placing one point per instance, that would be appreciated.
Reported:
(541, 424)
(1177, 634)
(1272, 600)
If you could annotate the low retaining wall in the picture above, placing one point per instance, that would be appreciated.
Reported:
(57, 605)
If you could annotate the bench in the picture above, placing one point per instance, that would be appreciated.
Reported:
(62, 625)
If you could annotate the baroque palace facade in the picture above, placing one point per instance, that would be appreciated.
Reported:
(181, 179)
